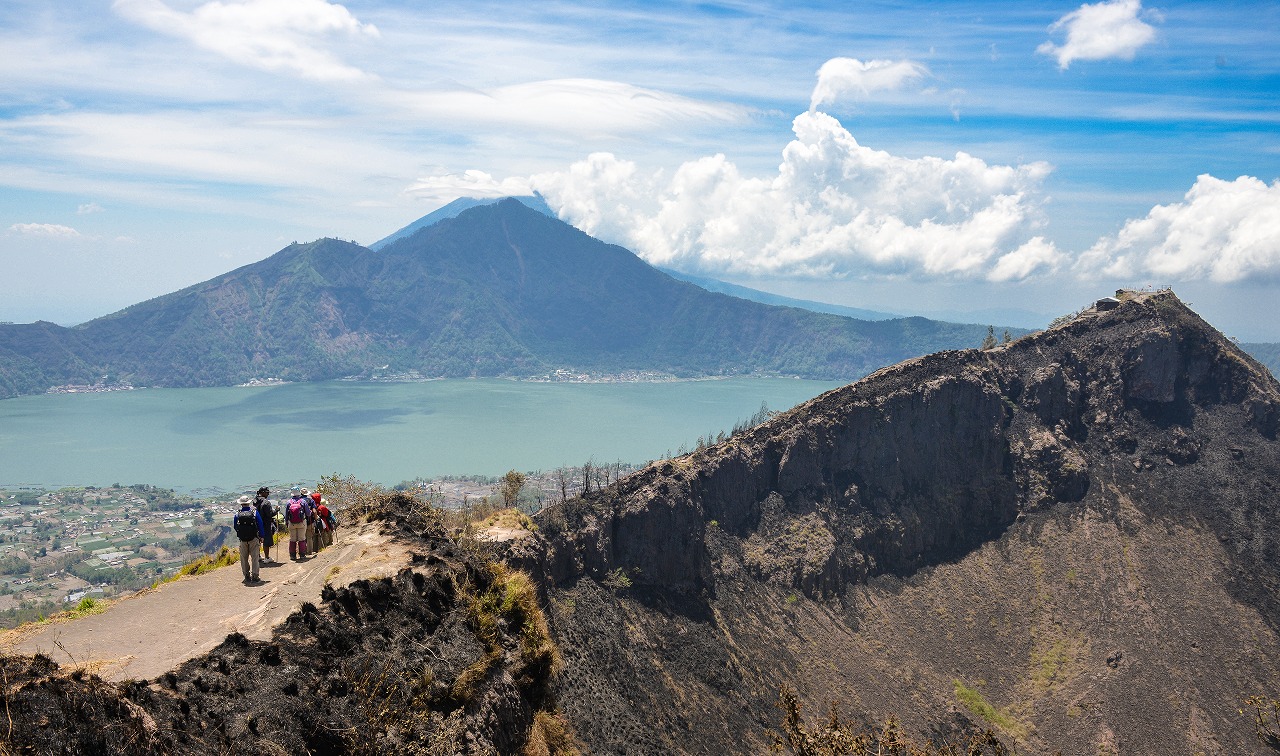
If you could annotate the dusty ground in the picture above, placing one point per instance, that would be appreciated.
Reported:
(153, 631)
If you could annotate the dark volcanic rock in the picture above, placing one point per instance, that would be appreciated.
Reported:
(1074, 539)
(1099, 496)
(398, 665)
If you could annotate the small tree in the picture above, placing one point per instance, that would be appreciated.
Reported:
(510, 488)
(616, 580)
(989, 341)
(1008, 337)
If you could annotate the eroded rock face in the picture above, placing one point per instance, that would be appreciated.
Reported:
(924, 460)
(1139, 423)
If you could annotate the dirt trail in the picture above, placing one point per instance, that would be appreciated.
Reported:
(145, 635)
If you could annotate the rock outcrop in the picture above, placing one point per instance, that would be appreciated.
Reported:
(450, 656)
(1073, 539)
(1008, 518)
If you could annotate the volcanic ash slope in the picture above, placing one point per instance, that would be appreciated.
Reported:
(1072, 539)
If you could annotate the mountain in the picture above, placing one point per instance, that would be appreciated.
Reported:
(456, 208)
(498, 290)
(1267, 354)
(764, 297)
(1073, 539)
(1011, 316)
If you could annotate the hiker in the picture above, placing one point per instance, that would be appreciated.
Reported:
(313, 541)
(318, 527)
(248, 526)
(296, 513)
(266, 513)
(326, 517)
(321, 522)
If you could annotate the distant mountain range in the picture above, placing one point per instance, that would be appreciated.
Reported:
(500, 289)
(764, 297)
(1267, 354)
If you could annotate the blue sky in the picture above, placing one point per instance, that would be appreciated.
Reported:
(915, 157)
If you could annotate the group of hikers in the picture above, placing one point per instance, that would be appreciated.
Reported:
(305, 516)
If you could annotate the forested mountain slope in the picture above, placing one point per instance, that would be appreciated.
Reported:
(499, 290)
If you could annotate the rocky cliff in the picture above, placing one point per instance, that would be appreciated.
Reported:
(1073, 537)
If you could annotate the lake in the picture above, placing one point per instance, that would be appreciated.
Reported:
(239, 438)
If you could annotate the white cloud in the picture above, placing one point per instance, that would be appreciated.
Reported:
(272, 35)
(1223, 231)
(848, 77)
(444, 188)
(835, 208)
(579, 106)
(44, 229)
(1100, 31)
(213, 146)
(89, 208)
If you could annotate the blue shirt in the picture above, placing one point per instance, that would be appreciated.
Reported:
(257, 518)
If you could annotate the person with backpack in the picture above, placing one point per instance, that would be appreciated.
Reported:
(297, 512)
(319, 525)
(248, 527)
(325, 517)
(313, 542)
(266, 513)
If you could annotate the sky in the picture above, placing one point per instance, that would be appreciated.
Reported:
(1000, 162)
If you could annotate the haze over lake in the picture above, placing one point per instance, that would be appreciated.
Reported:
(386, 432)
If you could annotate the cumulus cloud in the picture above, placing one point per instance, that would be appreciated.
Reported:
(272, 35)
(841, 78)
(52, 230)
(1100, 31)
(1222, 230)
(89, 208)
(835, 208)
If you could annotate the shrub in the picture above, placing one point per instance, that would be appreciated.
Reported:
(1266, 719)
(979, 706)
(836, 737)
(616, 580)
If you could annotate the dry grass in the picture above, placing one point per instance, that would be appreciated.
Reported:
(550, 735)
(512, 519)
(208, 563)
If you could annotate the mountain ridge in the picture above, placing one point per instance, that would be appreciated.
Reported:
(1073, 525)
(1071, 540)
(498, 290)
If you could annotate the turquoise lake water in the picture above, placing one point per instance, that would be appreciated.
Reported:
(232, 438)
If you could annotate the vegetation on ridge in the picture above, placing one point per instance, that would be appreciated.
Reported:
(838, 737)
(455, 300)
